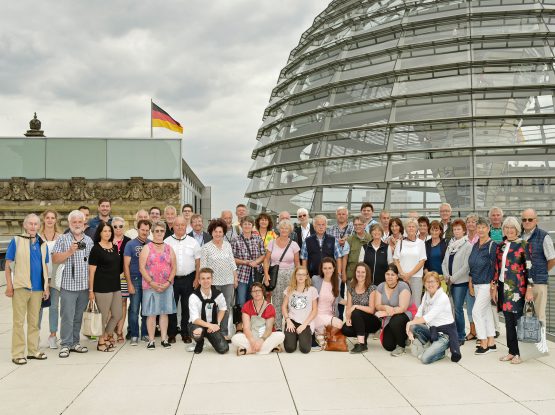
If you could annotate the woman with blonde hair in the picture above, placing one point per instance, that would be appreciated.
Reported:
(433, 329)
(300, 306)
(50, 231)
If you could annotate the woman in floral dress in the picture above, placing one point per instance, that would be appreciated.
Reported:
(510, 283)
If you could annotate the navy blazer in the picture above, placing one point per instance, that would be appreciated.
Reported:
(205, 236)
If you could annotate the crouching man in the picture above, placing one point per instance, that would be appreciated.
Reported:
(207, 308)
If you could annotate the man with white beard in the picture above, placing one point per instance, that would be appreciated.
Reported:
(72, 250)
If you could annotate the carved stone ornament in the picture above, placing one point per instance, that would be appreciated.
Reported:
(79, 189)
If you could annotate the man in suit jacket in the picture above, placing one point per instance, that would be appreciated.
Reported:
(304, 228)
(197, 232)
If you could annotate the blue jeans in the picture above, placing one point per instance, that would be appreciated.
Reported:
(434, 351)
(135, 301)
(243, 291)
(54, 310)
(72, 306)
(458, 292)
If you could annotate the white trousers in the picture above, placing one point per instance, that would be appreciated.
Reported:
(482, 313)
(275, 339)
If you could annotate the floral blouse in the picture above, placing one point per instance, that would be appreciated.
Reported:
(516, 274)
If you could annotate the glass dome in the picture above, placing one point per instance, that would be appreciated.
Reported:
(408, 104)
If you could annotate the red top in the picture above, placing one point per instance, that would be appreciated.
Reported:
(269, 312)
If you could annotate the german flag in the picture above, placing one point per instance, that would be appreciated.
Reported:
(161, 118)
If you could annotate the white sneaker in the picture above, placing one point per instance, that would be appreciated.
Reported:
(417, 349)
(191, 348)
(52, 342)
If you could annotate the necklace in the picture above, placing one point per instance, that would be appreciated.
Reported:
(260, 308)
(158, 243)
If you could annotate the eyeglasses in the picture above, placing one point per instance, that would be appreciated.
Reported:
(159, 231)
(256, 291)
(302, 216)
(528, 219)
(118, 226)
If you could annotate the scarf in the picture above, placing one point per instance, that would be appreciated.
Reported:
(456, 244)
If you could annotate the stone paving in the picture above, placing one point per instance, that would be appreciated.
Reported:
(133, 380)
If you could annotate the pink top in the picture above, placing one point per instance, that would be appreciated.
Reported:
(288, 260)
(326, 300)
(158, 265)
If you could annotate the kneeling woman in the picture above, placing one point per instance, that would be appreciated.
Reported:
(361, 320)
(259, 335)
(392, 303)
(299, 308)
(327, 285)
(433, 329)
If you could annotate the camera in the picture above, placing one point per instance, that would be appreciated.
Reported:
(81, 245)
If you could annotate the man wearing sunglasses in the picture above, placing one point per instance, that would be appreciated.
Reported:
(543, 259)
(304, 229)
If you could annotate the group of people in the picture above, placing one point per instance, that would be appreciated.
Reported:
(263, 287)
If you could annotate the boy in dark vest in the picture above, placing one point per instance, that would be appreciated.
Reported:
(207, 308)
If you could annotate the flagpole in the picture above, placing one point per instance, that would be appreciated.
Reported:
(150, 117)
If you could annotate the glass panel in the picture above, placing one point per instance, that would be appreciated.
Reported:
(513, 75)
(500, 5)
(309, 102)
(427, 195)
(315, 79)
(23, 157)
(510, 132)
(515, 163)
(429, 108)
(491, 50)
(372, 45)
(373, 193)
(435, 165)
(515, 103)
(372, 89)
(409, 137)
(357, 142)
(362, 115)
(332, 198)
(288, 176)
(369, 66)
(440, 31)
(514, 193)
(354, 170)
(84, 158)
(139, 157)
(291, 201)
(323, 57)
(418, 83)
(260, 181)
(305, 151)
(530, 24)
(422, 9)
(307, 124)
(434, 55)
(264, 160)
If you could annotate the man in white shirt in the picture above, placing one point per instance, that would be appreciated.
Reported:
(207, 308)
(140, 215)
(187, 255)
(385, 216)
(304, 229)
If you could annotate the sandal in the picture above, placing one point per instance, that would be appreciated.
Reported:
(79, 349)
(241, 351)
(38, 356)
(64, 352)
(506, 358)
(19, 361)
(103, 347)
(470, 336)
(516, 360)
(121, 339)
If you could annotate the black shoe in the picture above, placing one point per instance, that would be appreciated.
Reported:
(166, 344)
(496, 334)
(480, 350)
(199, 346)
(461, 342)
(359, 348)
(150, 345)
(128, 336)
(171, 339)
(492, 348)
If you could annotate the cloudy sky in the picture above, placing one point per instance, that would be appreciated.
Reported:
(90, 69)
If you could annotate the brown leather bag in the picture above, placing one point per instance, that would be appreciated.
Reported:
(334, 340)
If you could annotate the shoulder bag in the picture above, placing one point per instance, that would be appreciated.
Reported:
(274, 269)
(528, 327)
(258, 324)
(92, 320)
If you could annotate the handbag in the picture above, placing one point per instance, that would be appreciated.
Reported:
(528, 327)
(334, 340)
(92, 320)
(257, 275)
(258, 324)
(274, 270)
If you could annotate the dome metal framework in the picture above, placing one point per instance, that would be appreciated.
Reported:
(408, 104)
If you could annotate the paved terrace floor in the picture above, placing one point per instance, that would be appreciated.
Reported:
(133, 380)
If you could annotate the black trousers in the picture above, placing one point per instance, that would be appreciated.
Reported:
(304, 339)
(182, 290)
(510, 327)
(341, 307)
(362, 324)
(395, 333)
(216, 339)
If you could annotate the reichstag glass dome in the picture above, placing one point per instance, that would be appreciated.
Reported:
(410, 103)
